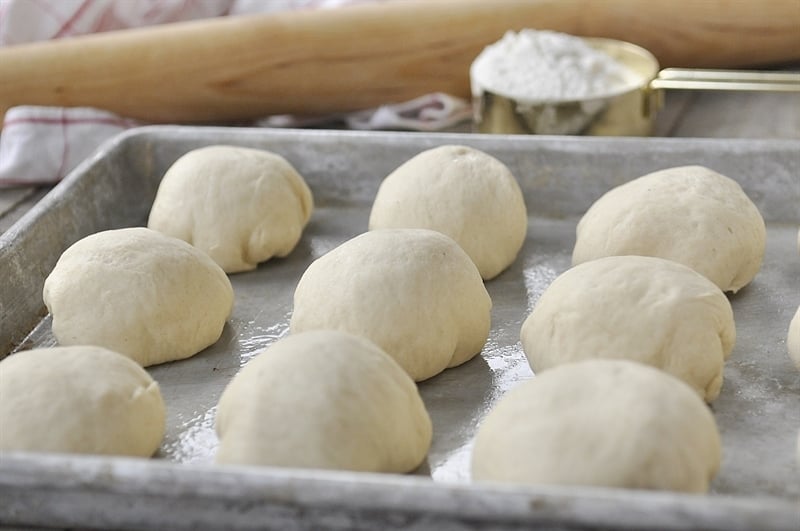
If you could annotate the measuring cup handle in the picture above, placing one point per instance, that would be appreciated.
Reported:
(697, 79)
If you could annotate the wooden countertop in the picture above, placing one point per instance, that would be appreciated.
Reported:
(685, 114)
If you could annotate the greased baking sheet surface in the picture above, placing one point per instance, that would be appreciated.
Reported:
(758, 411)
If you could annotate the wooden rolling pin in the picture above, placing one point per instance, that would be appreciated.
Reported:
(323, 61)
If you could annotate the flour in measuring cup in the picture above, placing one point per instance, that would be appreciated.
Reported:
(536, 66)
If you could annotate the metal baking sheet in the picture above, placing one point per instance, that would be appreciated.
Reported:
(758, 411)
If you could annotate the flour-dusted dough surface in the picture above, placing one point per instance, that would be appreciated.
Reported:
(79, 399)
(639, 308)
(413, 292)
(135, 291)
(461, 192)
(323, 399)
(608, 423)
(689, 214)
(240, 205)
(793, 339)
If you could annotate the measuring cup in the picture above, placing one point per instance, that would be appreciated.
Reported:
(628, 113)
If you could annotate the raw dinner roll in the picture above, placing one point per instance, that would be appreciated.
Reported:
(323, 399)
(240, 205)
(81, 399)
(413, 292)
(606, 423)
(638, 308)
(688, 214)
(793, 339)
(461, 192)
(148, 296)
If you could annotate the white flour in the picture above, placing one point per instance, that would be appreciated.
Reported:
(533, 66)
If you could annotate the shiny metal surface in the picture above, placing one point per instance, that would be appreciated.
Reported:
(697, 79)
(758, 411)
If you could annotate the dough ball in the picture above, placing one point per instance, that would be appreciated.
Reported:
(323, 399)
(607, 423)
(148, 296)
(413, 292)
(793, 339)
(242, 206)
(689, 214)
(461, 192)
(639, 308)
(80, 399)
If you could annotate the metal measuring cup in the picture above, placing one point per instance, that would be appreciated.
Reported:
(631, 112)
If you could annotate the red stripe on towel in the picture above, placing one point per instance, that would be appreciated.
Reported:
(66, 27)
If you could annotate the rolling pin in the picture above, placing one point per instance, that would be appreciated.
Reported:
(360, 56)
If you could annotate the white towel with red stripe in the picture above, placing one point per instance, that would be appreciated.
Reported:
(40, 145)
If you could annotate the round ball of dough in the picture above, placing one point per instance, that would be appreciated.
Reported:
(413, 292)
(323, 399)
(639, 308)
(240, 205)
(690, 214)
(79, 399)
(135, 291)
(608, 423)
(463, 193)
(793, 339)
